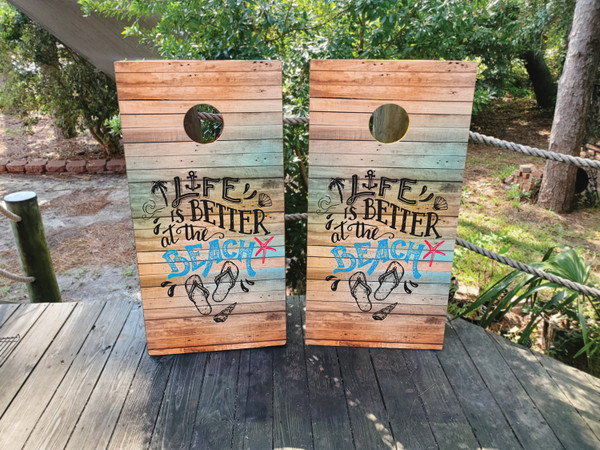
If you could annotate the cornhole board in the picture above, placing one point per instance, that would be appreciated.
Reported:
(383, 217)
(208, 218)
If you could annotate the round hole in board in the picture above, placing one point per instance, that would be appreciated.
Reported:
(203, 123)
(389, 123)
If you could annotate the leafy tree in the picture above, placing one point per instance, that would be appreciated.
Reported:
(42, 75)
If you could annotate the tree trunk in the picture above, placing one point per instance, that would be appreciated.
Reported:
(541, 78)
(574, 94)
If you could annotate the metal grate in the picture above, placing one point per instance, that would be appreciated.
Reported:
(7, 344)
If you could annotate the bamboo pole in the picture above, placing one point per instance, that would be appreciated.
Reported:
(32, 246)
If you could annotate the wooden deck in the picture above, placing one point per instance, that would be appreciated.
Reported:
(80, 377)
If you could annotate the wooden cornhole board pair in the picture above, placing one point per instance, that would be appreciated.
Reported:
(209, 218)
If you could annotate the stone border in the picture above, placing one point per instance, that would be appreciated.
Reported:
(39, 166)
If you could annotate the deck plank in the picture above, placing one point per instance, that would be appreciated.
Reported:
(529, 425)
(101, 413)
(369, 419)
(407, 417)
(291, 418)
(21, 418)
(329, 413)
(35, 339)
(62, 413)
(483, 413)
(575, 385)
(561, 416)
(175, 421)
(136, 422)
(6, 311)
(215, 413)
(253, 424)
(444, 412)
(479, 392)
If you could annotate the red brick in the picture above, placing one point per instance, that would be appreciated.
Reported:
(96, 166)
(76, 166)
(116, 165)
(537, 173)
(16, 166)
(36, 166)
(3, 163)
(517, 173)
(57, 166)
(526, 175)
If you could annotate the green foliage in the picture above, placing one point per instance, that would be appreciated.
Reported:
(43, 76)
(541, 299)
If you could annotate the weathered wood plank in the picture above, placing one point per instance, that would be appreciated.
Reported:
(212, 78)
(397, 149)
(20, 419)
(368, 415)
(215, 413)
(414, 134)
(388, 93)
(361, 119)
(62, 413)
(369, 105)
(98, 419)
(230, 120)
(229, 148)
(183, 66)
(292, 414)
(34, 342)
(137, 176)
(176, 134)
(410, 427)
(6, 311)
(253, 424)
(205, 94)
(175, 421)
(145, 107)
(328, 407)
(528, 424)
(392, 78)
(560, 415)
(478, 404)
(144, 399)
(444, 412)
(575, 386)
(393, 66)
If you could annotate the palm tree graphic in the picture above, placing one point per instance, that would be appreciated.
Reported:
(339, 184)
(162, 187)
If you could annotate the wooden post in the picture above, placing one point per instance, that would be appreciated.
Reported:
(32, 247)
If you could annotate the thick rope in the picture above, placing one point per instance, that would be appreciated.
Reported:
(561, 157)
(586, 290)
(5, 212)
(299, 216)
(13, 277)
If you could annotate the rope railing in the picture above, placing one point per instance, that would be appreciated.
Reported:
(9, 215)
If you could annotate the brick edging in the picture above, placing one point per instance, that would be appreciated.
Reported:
(39, 166)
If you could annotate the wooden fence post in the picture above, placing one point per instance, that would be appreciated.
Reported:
(32, 246)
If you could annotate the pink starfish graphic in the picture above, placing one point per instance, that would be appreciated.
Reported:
(432, 251)
(264, 247)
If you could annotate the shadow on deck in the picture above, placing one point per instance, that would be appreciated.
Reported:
(80, 377)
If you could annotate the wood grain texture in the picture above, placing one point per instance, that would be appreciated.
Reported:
(208, 218)
(383, 217)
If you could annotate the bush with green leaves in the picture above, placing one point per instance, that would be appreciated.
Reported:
(541, 299)
(40, 75)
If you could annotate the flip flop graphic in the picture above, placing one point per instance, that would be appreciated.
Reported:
(198, 294)
(360, 290)
(225, 281)
(389, 280)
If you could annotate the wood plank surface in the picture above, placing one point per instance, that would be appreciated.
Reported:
(100, 415)
(20, 420)
(64, 410)
(185, 193)
(296, 396)
(527, 422)
(367, 198)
